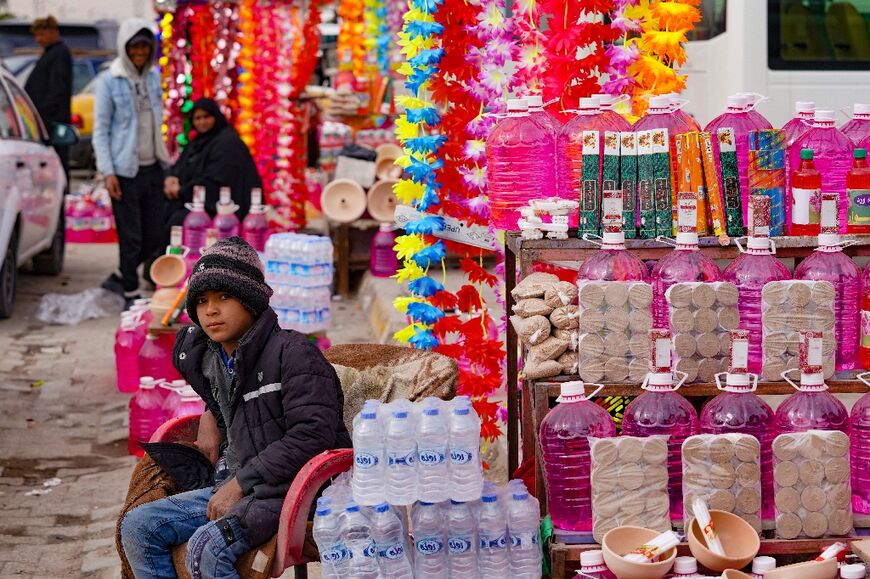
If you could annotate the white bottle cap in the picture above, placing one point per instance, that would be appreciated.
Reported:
(178, 384)
(685, 565)
(591, 558)
(613, 239)
(534, 101)
(256, 196)
(188, 393)
(861, 109)
(574, 391)
(736, 102)
(147, 382)
(199, 194)
(803, 107)
(686, 240)
(660, 380)
(856, 571)
(175, 235)
(761, 564)
(758, 243)
(226, 196)
(659, 103)
(812, 381)
(587, 103)
(385, 227)
(517, 105)
(824, 116)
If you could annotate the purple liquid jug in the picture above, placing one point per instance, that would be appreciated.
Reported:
(859, 438)
(255, 227)
(383, 261)
(804, 111)
(566, 457)
(226, 222)
(146, 414)
(614, 120)
(858, 127)
(128, 342)
(195, 225)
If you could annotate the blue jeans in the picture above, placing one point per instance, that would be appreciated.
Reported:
(150, 531)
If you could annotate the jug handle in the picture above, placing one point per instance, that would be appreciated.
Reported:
(600, 386)
(679, 104)
(772, 247)
(739, 248)
(761, 99)
(864, 377)
(789, 380)
(588, 237)
(666, 240)
(682, 381)
(620, 99)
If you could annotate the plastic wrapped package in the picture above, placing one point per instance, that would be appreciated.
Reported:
(811, 478)
(787, 307)
(629, 483)
(614, 321)
(534, 285)
(701, 316)
(723, 469)
(71, 309)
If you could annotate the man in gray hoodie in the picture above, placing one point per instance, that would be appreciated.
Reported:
(129, 147)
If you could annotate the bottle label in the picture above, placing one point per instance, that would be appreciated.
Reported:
(403, 459)
(365, 460)
(865, 328)
(461, 456)
(430, 545)
(431, 456)
(459, 545)
(859, 206)
(497, 542)
(80, 224)
(334, 555)
(392, 552)
(524, 540)
(101, 224)
(806, 206)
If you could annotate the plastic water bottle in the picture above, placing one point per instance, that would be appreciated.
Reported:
(128, 342)
(493, 559)
(226, 221)
(858, 127)
(432, 470)
(523, 516)
(334, 557)
(739, 410)
(464, 467)
(368, 460)
(462, 545)
(761, 565)
(662, 410)
(859, 437)
(389, 536)
(565, 454)
(754, 267)
(829, 263)
(195, 224)
(858, 193)
(592, 565)
(804, 111)
(685, 264)
(520, 165)
(357, 537)
(383, 261)
(614, 120)
(155, 358)
(541, 116)
(146, 414)
(401, 448)
(255, 227)
(832, 155)
(430, 542)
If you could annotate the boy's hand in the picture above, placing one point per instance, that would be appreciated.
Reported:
(208, 438)
(229, 494)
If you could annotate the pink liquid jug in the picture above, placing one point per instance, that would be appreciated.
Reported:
(614, 120)
(128, 342)
(226, 222)
(612, 262)
(79, 227)
(189, 403)
(195, 225)
(566, 456)
(859, 438)
(804, 111)
(155, 358)
(661, 410)
(146, 414)
(383, 261)
(570, 144)
(858, 127)
(592, 566)
(255, 227)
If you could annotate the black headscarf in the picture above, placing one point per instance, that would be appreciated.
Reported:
(220, 123)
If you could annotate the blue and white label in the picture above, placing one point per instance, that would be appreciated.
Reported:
(392, 552)
(334, 555)
(430, 546)
(461, 456)
(402, 459)
(524, 541)
(499, 542)
(370, 551)
(365, 460)
(459, 545)
(432, 456)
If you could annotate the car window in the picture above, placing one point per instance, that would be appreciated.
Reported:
(8, 122)
(82, 73)
(28, 116)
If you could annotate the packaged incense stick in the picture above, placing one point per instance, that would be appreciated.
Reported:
(590, 194)
(628, 182)
(730, 182)
(714, 193)
(645, 203)
(661, 167)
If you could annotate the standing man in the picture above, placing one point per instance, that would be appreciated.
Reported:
(50, 83)
(128, 113)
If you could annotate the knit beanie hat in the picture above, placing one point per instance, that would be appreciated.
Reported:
(231, 266)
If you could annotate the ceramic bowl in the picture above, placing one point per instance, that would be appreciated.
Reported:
(343, 200)
(739, 540)
(164, 297)
(808, 570)
(168, 270)
(386, 169)
(733, 574)
(621, 540)
(382, 201)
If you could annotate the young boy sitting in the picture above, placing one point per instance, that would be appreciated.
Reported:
(273, 402)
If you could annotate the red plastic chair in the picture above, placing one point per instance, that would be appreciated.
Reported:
(300, 497)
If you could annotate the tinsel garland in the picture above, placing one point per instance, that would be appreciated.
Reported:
(351, 36)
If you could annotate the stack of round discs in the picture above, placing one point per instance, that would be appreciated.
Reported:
(614, 319)
(629, 483)
(701, 316)
(813, 490)
(787, 308)
(724, 470)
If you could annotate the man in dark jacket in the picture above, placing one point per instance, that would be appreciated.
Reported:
(273, 402)
(50, 82)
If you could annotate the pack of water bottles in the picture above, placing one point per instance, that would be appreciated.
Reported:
(495, 537)
(299, 270)
(406, 452)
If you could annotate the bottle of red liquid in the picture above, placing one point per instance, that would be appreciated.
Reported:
(806, 197)
(858, 194)
(864, 350)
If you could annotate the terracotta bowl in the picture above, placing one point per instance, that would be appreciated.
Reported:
(739, 539)
(382, 201)
(621, 540)
(343, 200)
(168, 270)
(164, 297)
(733, 574)
(388, 150)
(386, 169)
(807, 570)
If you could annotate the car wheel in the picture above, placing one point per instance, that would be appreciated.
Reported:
(9, 277)
(50, 261)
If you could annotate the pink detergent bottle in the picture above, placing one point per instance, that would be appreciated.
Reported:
(685, 264)
(753, 99)
(155, 358)
(80, 226)
(829, 263)
(565, 454)
(592, 566)
(146, 414)
(755, 266)
(540, 115)
(858, 127)
(859, 437)
(570, 143)
(739, 410)
(677, 105)
(662, 410)
(383, 261)
(195, 225)
(832, 156)
(812, 407)
(614, 120)
(804, 111)
(255, 227)
(128, 342)
(226, 222)
(520, 165)
(612, 262)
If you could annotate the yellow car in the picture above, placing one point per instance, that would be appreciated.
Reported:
(82, 154)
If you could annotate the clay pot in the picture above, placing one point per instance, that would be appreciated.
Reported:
(808, 570)
(386, 169)
(622, 540)
(382, 201)
(343, 200)
(168, 270)
(739, 540)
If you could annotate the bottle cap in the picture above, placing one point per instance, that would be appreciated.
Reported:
(824, 116)
(486, 499)
(517, 105)
(589, 103)
(226, 196)
(354, 508)
(147, 382)
(521, 496)
(856, 571)
(860, 153)
(535, 101)
(804, 107)
(591, 558)
(761, 564)
(806, 154)
(861, 109)
(736, 102)
(452, 502)
(605, 101)
(199, 195)
(385, 227)
(188, 393)
(400, 414)
(660, 103)
(369, 416)
(574, 391)
(256, 196)
(685, 565)
(461, 411)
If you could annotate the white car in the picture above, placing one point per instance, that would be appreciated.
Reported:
(32, 187)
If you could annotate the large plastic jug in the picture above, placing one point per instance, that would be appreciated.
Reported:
(566, 457)
(255, 227)
(146, 414)
(858, 127)
(196, 223)
(383, 261)
(569, 149)
(859, 438)
(128, 342)
(663, 410)
(804, 111)
(155, 358)
(612, 262)
(608, 104)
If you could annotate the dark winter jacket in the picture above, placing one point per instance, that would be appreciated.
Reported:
(287, 409)
(50, 84)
